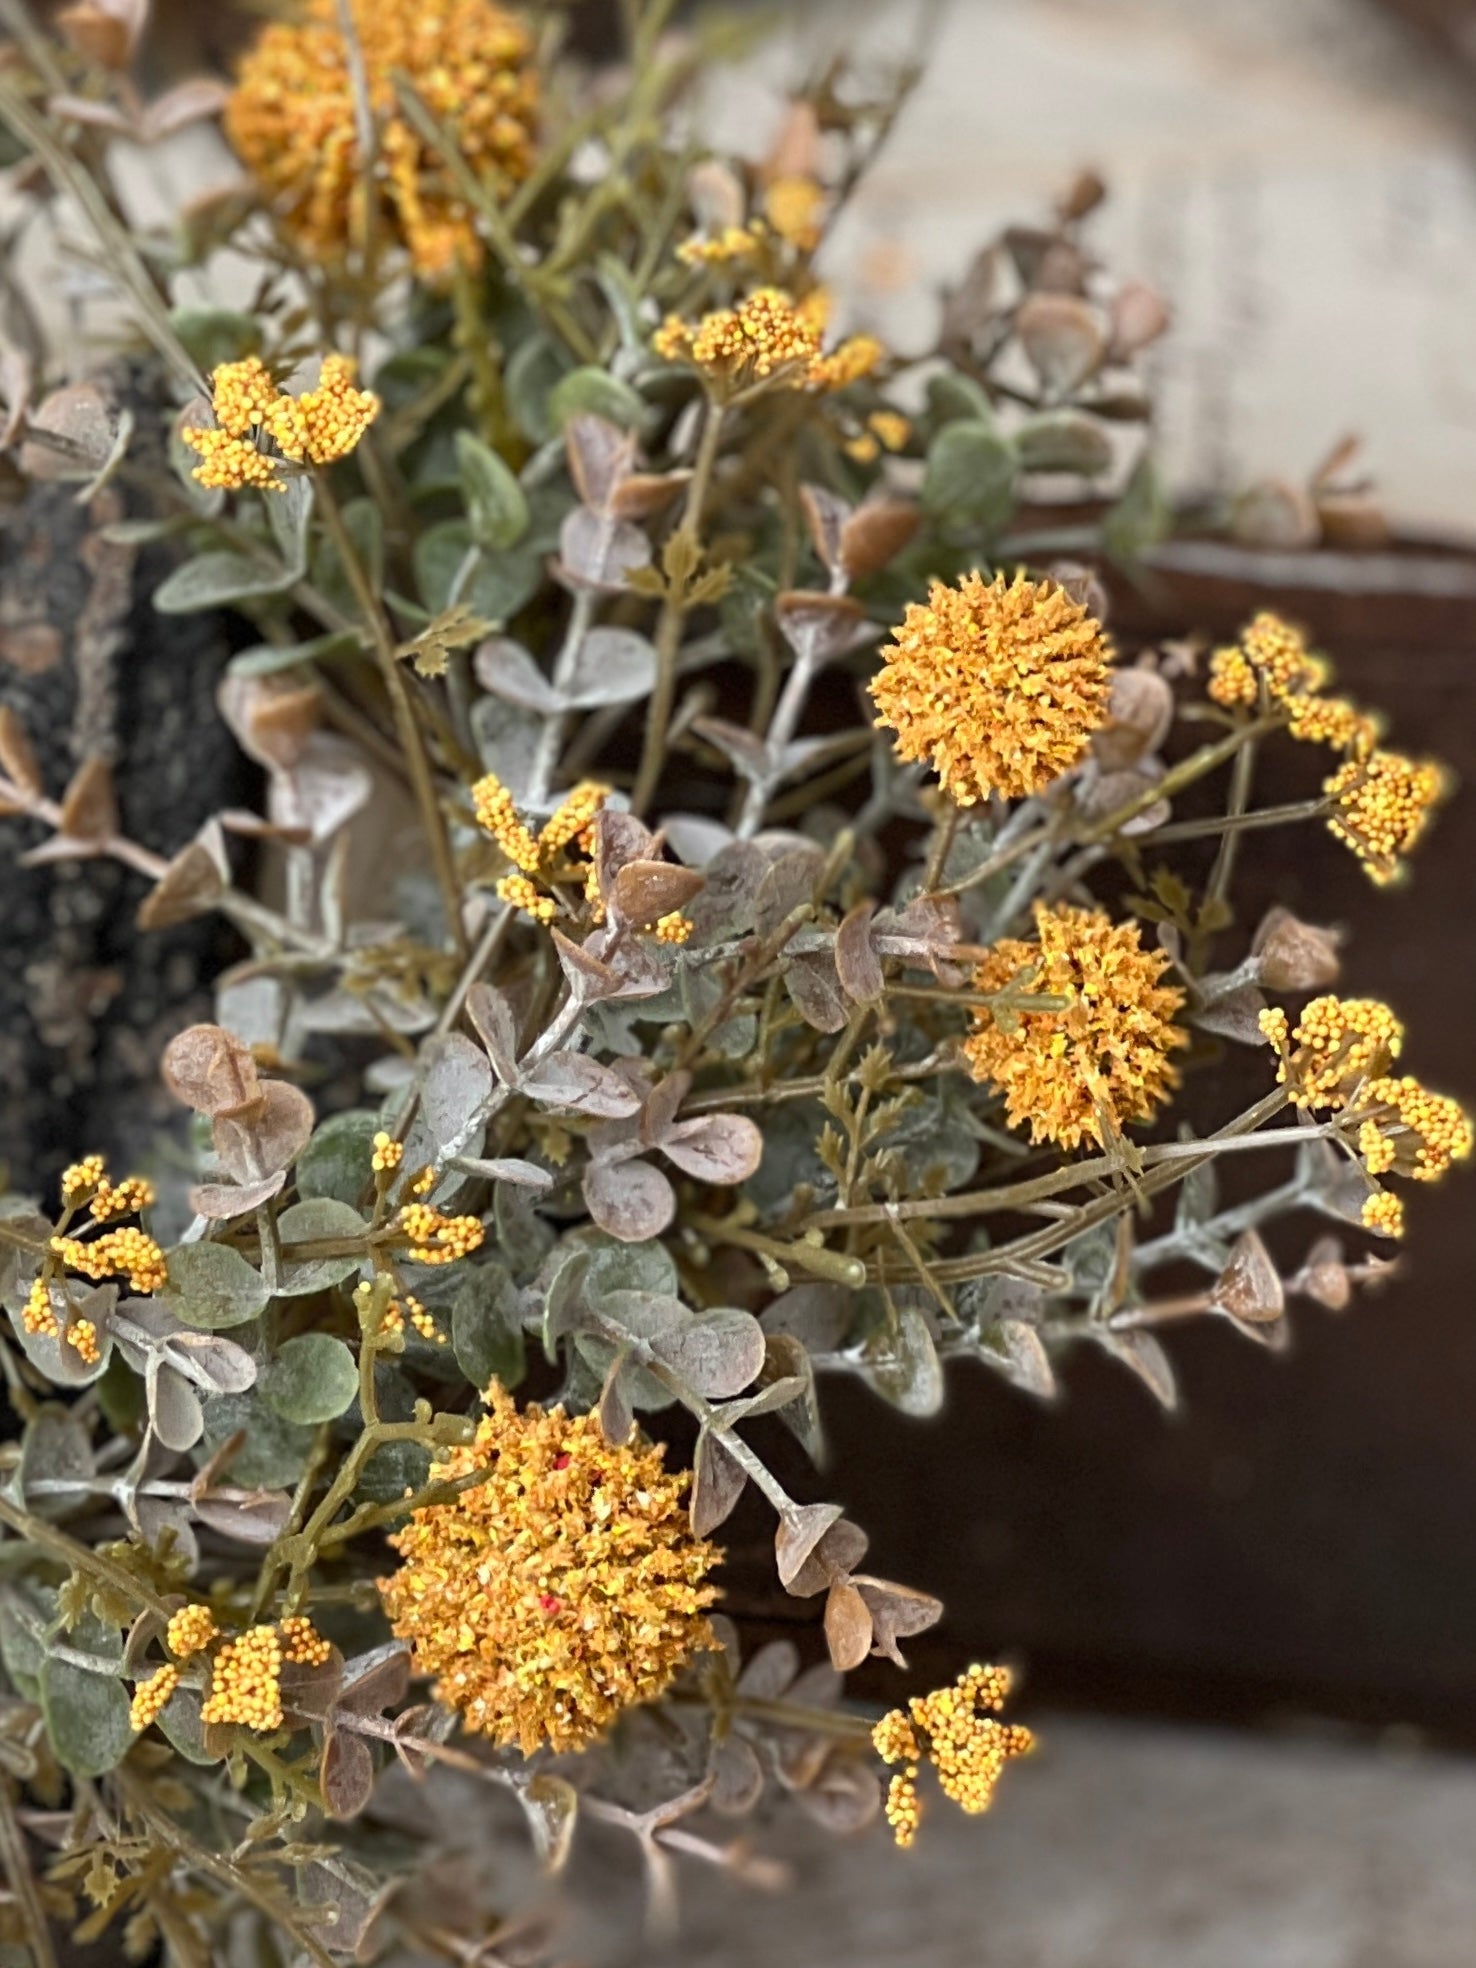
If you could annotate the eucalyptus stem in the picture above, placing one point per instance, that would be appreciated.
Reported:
(674, 613)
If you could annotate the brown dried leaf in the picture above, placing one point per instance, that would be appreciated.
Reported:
(271, 718)
(1275, 513)
(717, 1483)
(574, 1080)
(346, 1774)
(89, 809)
(800, 1529)
(835, 1556)
(1249, 1290)
(629, 1200)
(897, 1612)
(875, 533)
(847, 1626)
(825, 514)
(1140, 710)
(644, 891)
(190, 101)
(1062, 339)
(192, 883)
(1324, 1276)
(820, 627)
(601, 457)
(857, 964)
(644, 493)
(718, 1353)
(844, 1796)
(70, 434)
(1139, 315)
(208, 1069)
(495, 1025)
(618, 838)
(1142, 1353)
(267, 1136)
(720, 1148)
(815, 990)
(1293, 955)
(616, 1416)
(221, 1201)
(17, 754)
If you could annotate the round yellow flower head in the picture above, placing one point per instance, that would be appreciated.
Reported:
(953, 1729)
(1102, 1060)
(1335, 1045)
(293, 121)
(998, 685)
(1271, 653)
(151, 1697)
(1383, 805)
(190, 1631)
(563, 1589)
(246, 1682)
(1412, 1131)
(1383, 1214)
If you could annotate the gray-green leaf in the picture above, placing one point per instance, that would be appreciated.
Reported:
(313, 1378)
(212, 1286)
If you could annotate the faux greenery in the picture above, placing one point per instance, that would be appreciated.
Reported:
(719, 917)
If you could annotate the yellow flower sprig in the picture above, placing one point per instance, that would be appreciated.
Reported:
(317, 427)
(955, 1730)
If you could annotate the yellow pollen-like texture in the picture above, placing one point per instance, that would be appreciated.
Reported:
(955, 1729)
(437, 1238)
(1335, 1044)
(1099, 1062)
(190, 1631)
(246, 1682)
(318, 427)
(293, 121)
(560, 1591)
(997, 685)
(1382, 804)
(150, 1697)
(544, 859)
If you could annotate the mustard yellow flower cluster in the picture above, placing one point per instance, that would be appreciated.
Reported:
(953, 1729)
(190, 1631)
(436, 1238)
(543, 860)
(317, 427)
(767, 337)
(560, 1591)
(128, 1253)
(246, 1682)
(1337, 1057)
(293, 120)
(396, 1313)
(302, 1643)
(1085, 1071)
(1335, 1045)
(997, 685)
(80, 1180)
(1383, 804)
(151, 1696)
(884, 430)
(1382, 801)
(388, 1153)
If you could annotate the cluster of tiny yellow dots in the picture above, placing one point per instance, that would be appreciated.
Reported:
(561, 1590)
(318, 427)
(127, 1253)
(388, 1153)
(293, 119)
(1383, 1214)
(541, 859)
(88, 1182)
(1104, 1055)
(1381, 806)
(1421, 1134)
(80, 1179)
(38, 1317)
(795, 207)
(673, 928)
(1335, 1044)
(396, 1313)
(82, 1337)
(246, 1682)
(436, 1238)
(997, 685)
(1272, 655)
(190, 1631)
(766, 335)
(955, 1730)
(150, 1697)
(302, 1643)
(721, 248)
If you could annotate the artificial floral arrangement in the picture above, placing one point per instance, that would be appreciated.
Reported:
(781, 960)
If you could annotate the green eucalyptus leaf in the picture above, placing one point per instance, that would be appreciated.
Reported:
(970, 473)
(364, 524)
(273, 1452)
(211, 580)
(306, 1222)
(391, 1470)
(86, 1717)
(534, 371)
(597, 393)
(1065, 440)
(451, 567)
(486, 1330)
(496, 508)
(211, 1286)
(312, 1378)
(336, 1162)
